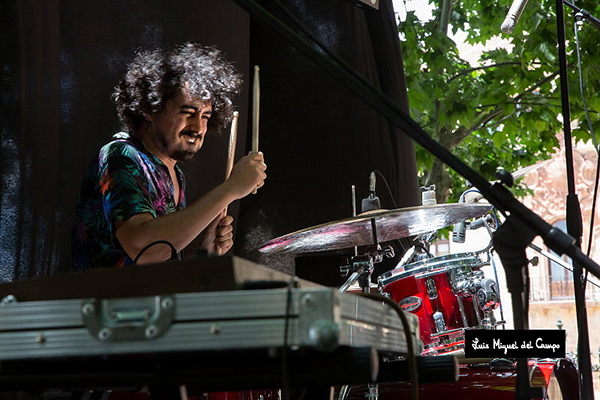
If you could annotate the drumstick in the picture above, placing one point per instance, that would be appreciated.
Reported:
(232, 144)
(255, 111)
(230, 155)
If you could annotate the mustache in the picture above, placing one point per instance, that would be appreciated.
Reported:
(190, 134)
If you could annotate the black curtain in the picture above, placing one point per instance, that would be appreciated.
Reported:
(61, 59)
(60, 62)
(317, 136)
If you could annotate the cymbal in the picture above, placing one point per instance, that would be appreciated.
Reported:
(390, 225)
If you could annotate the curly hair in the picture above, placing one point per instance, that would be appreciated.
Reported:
(154, 76)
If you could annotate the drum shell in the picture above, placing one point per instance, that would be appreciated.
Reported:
(446, 301)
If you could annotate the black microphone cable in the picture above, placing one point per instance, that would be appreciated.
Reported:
(411, 356)
(594, 139)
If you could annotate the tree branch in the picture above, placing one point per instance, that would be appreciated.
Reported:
(468, 71)
(537, 85)
(503, 119)
(502, 64)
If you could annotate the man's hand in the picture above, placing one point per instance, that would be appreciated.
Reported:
(217, 238)
(183, 226)
(248, 174)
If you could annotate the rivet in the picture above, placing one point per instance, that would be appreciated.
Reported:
(167, 303)
(151, 331)
(104, 334)
(87, 308)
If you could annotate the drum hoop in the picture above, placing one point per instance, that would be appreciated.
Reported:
(436, 264)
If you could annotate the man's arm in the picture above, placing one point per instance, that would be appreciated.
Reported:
(181, 227)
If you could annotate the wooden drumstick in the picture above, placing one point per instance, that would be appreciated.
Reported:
(232, 144)
(230, 155)
(255, 111)
(231, 148)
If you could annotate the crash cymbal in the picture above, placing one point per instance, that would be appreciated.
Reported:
(390, 224)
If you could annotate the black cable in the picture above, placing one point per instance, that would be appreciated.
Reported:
(593, 216)
(387, 187)
(396, 241)
(174, 253)
(594, 198)
(585, 108)
(593, 134)
(411, 356)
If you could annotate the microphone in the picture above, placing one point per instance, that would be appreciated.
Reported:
(480, 223)
(460, 229)
(372, 202)
(459, 232)
(514, 13)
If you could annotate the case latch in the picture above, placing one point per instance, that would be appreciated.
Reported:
(139, 318)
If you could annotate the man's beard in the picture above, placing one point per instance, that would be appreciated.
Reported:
(178, 155)
(182, 155)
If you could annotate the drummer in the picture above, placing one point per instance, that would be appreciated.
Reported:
(133, 192)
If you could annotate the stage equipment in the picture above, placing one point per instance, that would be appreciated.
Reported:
(160, 335)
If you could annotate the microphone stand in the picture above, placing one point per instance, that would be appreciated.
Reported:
(573, 216)
(497, 194)
(581, 14)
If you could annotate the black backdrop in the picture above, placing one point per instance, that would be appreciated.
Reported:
(61, 59)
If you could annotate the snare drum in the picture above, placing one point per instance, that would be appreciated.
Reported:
(446, 294)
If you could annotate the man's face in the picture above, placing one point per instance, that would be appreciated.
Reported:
(179, 129)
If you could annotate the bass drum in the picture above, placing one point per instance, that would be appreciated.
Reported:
(559, 378)
(245, 395)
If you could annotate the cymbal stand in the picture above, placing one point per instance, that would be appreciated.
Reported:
(362, 268)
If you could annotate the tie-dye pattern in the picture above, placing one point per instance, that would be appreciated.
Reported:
(124, 180)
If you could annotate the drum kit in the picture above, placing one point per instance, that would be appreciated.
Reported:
(449, 293)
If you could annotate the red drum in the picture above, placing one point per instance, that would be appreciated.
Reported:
(448, 294)
(559, 378)
(246, 395)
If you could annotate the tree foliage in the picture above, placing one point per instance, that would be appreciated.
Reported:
(505, 111)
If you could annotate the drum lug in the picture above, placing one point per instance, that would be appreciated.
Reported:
(432, 291)
(440, 323)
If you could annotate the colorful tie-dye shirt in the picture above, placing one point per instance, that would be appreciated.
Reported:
(123, 181)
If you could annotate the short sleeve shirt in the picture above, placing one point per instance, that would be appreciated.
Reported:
(124, 180)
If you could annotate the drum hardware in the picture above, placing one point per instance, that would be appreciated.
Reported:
(428, 195)
(463, 316)
(440, 323)
(420, 249)
(431, 288)
(372, 392)
(407, 257)
(361, 267)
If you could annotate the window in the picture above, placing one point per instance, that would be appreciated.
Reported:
(561, 280)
